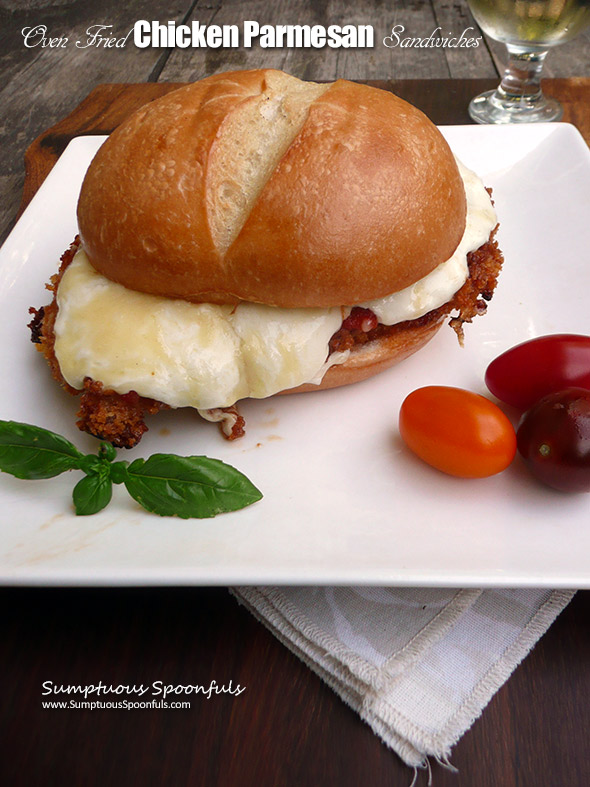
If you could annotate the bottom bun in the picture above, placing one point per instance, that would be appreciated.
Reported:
(368, 359)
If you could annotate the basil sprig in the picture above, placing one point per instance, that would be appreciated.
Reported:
(164, 484)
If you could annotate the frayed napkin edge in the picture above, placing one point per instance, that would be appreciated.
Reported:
(440, 744)
(415, 747)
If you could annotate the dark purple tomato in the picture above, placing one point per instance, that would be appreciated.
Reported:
(523, 375)
(553, 438)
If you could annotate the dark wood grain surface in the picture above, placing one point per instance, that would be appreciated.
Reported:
(287, 728)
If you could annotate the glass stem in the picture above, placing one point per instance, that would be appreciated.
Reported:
(522, 79)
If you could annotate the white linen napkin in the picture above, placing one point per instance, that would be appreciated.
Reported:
(417, 664)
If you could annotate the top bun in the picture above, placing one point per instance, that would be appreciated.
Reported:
(254, 185)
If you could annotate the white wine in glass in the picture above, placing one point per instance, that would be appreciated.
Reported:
(529, 28)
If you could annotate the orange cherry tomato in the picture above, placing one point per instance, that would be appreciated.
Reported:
(456, 431)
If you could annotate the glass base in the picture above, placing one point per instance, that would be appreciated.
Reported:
(491, 107)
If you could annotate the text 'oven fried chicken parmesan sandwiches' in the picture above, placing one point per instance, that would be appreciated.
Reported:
(253, 234)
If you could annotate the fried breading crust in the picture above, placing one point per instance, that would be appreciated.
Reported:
(119, 418)
(484, 267)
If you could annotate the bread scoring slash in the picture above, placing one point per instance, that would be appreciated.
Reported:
(232, 231)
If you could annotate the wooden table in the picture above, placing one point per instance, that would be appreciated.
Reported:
(287, 728)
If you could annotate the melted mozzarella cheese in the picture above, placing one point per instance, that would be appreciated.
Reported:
(208, 356)
(184, 354)
(442, 283)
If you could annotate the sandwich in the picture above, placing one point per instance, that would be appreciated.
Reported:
(254, 234)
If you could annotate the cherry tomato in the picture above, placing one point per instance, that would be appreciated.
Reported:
(554, 440)
(523, 375)
(456, 431)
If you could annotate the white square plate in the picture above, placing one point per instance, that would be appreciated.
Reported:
(344, 500)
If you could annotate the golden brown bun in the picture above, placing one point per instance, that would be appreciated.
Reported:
(253, 185)
(368, 359)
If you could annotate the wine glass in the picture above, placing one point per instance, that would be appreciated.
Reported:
(529, 28)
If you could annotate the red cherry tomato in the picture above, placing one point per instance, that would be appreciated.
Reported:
(456, 431)
(523, 375)
(554, 440)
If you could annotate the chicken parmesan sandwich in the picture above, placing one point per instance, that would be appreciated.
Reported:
(254, 234)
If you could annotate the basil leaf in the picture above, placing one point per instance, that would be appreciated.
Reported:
(92, 493)
(107, 452)
(32, 453)
(188, 486)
